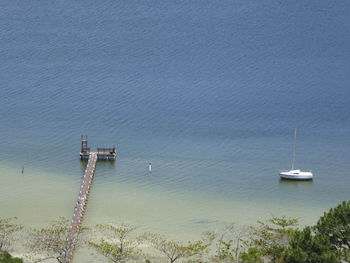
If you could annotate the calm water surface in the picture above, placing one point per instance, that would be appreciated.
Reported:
(208, 91)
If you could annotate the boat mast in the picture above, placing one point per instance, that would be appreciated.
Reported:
(295, 139)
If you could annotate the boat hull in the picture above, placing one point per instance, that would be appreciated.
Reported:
(300, 178)
(296, 175)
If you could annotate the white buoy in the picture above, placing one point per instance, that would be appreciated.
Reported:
(150, 167)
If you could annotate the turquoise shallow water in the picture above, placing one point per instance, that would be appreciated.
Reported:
(208, 91)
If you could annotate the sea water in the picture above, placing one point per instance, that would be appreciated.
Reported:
(209, 92)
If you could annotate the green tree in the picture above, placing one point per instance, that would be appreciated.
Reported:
(116, 246)
(50, 242)
(306, 247)
(252, 255)
(228, 243)
(174, 250)
(272, 238)
(335, 225)
(5, 257)
(7, 229)
(327, 242)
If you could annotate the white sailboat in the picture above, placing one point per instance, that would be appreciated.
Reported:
(295, 174)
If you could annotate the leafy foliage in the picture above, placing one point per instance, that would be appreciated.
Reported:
(335, 224)
(51, 241)
(228, 243)
(272, 238)
(327, 242)
(174, 250)
(118, 247)
(309, 248)
(274, 241)
(7, 229)
(252, 255)
(5, 257)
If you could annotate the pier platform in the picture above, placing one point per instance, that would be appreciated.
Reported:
(80, 206)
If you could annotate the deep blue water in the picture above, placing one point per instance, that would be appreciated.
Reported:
(208, 91)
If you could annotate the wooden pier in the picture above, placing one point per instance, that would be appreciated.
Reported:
(92, 157)
(102, 153)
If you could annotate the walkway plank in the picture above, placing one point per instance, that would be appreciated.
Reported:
(80, 206)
